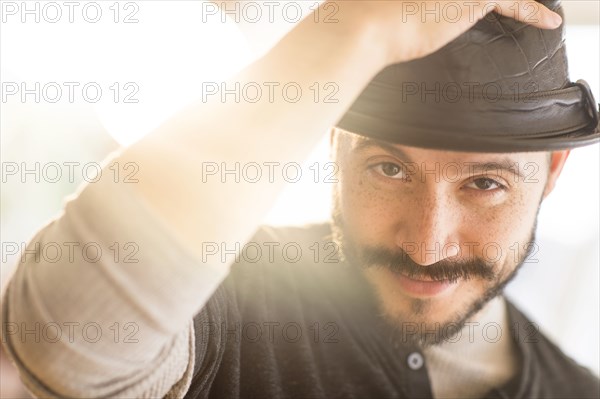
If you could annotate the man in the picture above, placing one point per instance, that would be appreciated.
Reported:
(398, 305)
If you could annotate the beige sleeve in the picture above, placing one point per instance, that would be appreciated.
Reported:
(111, 314)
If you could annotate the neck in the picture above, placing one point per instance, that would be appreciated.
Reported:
(482, 356)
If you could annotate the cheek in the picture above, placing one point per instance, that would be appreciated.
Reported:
(502, 233)
(367, 210)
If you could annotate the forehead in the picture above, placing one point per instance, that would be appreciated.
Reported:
(354, 145)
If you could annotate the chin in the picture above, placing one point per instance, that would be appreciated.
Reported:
(426, 321)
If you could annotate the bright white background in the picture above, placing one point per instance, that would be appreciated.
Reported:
(168, 54)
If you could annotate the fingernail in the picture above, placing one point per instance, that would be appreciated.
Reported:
(557, 20)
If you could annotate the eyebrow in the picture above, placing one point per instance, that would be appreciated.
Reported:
(504, 164)
(365, 145)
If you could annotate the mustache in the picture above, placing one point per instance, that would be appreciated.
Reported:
(445, 270)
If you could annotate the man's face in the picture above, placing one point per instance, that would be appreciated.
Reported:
(438, 233)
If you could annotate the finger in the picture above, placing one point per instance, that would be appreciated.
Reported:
(530, 12)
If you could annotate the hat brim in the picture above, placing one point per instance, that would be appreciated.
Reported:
(549, 121)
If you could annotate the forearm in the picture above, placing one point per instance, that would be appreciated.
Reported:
(171, 159)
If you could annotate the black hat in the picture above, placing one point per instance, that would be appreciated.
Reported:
(503, 86)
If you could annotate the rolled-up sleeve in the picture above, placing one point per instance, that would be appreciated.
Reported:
(110, 314)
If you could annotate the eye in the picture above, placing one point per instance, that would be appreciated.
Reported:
(391, 170)
(485, 184)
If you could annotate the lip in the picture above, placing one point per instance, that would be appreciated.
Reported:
(422, 288)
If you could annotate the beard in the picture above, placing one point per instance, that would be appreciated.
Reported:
(409, 326)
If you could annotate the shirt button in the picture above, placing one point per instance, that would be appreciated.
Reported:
(415, 361)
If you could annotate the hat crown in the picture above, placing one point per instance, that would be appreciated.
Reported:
(510, 55)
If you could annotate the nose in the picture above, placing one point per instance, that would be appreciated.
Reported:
(428, 233)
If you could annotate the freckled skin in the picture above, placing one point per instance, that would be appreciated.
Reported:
(424, 215)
